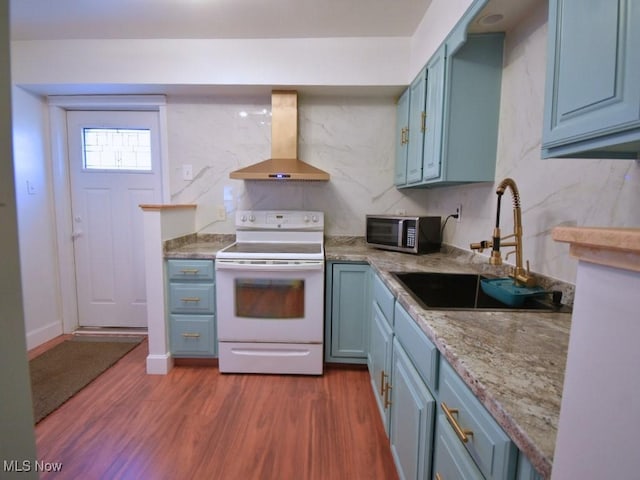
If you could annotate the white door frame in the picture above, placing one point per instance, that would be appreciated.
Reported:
(58, 107)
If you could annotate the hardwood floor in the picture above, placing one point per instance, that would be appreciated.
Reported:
(198, 423)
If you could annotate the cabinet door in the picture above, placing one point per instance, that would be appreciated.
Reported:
(412, 417)
(593, 70)
(349, 311)
(417, 115)
(402, 138)
(434, 111)
(526, 470)
(379, 361)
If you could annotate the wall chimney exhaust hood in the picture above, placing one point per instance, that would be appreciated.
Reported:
(284, 163)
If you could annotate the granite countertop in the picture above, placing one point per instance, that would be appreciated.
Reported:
(204, 246)
(512, 361)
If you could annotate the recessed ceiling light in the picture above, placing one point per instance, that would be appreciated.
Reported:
(491, 19)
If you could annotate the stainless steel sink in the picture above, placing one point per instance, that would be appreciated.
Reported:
(461, 291)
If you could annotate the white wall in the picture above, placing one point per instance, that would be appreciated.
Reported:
(440, 18)
(325, 61)
(38, 254)
(599, 429)
(17, 440)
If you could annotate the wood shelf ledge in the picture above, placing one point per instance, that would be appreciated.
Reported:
(614, 247)
(160, 207)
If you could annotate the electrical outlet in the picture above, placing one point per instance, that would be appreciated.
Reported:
(459, 212)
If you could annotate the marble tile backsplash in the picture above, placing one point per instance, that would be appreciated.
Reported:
(351, 138)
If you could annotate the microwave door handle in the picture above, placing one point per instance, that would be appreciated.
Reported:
(400, 242)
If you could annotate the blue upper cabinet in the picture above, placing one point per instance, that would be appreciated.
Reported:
(402, 138)
(417, 117)
(592, 104)
(433, 124)
(458, 123)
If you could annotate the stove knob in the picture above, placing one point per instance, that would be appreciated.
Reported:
(314, 219)
(306, 219)
(243, 218)
(252, 218)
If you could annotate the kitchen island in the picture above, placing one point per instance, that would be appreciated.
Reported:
(513, 362)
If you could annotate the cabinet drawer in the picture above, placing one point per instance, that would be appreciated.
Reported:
(190, 269)
(192, 335)
(384, 298)
(422, 352)
(191, 298)
(451, 460)
(489, 446)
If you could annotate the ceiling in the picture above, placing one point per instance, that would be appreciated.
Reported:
(84, 19)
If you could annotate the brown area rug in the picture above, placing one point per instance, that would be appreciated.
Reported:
(64, 370)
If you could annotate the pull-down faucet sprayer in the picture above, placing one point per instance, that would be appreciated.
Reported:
(519, 274)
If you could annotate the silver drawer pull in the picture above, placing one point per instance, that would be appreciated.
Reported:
(192, 271)
(190, 299)
(190, 335)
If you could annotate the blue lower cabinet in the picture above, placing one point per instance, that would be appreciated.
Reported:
(437, 427)
(412, 419)
(526, 470)
(451, 460)
(193, 335)
(191, 302)
(483, 439)
(347, 311)
(379, 362)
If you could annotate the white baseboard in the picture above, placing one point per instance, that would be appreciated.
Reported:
(43, 334)
(159, 364)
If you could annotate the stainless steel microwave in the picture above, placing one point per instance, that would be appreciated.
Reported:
(404, 233)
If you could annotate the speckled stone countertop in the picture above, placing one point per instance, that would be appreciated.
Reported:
(512, 361)
(203, 246)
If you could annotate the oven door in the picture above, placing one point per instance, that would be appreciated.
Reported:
(270, 300)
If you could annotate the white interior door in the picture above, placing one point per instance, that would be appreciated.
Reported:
(114, 166)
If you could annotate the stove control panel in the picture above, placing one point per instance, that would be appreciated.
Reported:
(279, 219)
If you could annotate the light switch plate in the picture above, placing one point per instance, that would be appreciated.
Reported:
(187, 172)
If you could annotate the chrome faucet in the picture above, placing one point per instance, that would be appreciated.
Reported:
(520, 275)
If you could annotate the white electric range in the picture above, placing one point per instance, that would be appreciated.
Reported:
(270, 294)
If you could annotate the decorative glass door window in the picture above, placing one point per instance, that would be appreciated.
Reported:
(269, 298)
(116, 149)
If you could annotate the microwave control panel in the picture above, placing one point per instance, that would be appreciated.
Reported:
(411, 236)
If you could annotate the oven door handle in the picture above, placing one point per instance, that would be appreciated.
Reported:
(248, 265)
